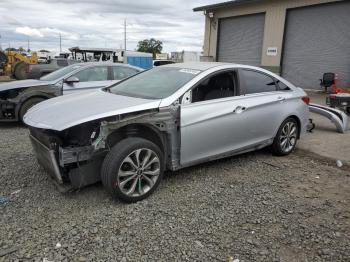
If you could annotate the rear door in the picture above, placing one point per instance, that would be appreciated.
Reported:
(264, 102)
(91, 78)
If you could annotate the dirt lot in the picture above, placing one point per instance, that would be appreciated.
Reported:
(253, 207)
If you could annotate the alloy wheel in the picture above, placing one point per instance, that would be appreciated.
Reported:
(288, 137)
(138, 172)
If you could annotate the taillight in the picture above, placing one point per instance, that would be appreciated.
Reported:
(306, 99)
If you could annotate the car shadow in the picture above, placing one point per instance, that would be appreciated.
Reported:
(217, 163)
(12, 125)
(97, 190)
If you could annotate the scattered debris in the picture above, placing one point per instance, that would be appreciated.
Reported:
(16, 192)
(339, 163)
(270, 164)
(4, 200)
(199, 243)
(230, 259)
(7, 251)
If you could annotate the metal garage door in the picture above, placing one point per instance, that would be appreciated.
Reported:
(240, 39)
(317, 40)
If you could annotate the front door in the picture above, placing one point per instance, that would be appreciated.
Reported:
(89, 79)
(213, 122)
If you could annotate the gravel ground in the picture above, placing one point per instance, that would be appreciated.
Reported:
(253, 207)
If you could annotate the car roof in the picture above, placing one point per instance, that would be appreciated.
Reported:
(202, 66)
(86, 64)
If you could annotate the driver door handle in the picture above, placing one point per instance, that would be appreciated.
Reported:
(281, 98)
(239, 109)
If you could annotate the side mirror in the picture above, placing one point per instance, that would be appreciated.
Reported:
(187, 98)
(72, 80)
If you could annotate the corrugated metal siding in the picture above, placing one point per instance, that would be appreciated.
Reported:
(274, 25)
(240, 39)
(317, 40)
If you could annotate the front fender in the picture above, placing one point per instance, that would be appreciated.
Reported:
(46, 92)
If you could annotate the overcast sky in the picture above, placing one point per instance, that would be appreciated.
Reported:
(99, 23)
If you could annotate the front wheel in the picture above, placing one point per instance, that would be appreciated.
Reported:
(286, 138)
(27, 105)
(132, 170)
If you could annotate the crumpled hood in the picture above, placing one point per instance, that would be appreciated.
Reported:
(22, 84)
(62, 112)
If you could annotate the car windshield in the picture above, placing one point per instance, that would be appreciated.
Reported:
(58, 74)
(156, 83)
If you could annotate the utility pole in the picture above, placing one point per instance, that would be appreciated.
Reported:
(60, 43)
(28, 46)
(0, 43)
(125, 58)
(125, 35)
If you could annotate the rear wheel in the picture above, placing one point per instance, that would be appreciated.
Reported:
(20, 71)
(133, 169)
(286, 138)
(27, 105)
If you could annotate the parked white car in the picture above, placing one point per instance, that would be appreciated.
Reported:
(168, 117)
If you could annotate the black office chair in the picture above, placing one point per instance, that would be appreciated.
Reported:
(327, 81)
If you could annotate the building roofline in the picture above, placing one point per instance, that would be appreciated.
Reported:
(224, 4)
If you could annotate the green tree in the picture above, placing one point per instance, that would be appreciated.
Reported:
(150, 46)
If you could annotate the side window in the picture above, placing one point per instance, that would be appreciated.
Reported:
(120, 72)
(282, 86)
(62, 62)
(98, 73)
(255, 82)
(218, 86)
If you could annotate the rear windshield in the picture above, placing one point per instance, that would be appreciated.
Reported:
(156, 83)
(58, 74)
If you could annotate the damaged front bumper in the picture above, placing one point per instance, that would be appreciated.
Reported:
(77, 166)
(47, 159)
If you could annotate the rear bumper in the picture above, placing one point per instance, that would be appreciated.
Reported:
(47, 159)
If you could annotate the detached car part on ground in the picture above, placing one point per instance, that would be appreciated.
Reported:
(17, 97)
(337, 117)
(166, 118)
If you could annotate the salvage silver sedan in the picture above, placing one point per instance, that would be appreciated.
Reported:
(166, 118)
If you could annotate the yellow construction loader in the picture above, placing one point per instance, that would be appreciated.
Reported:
(16, 64)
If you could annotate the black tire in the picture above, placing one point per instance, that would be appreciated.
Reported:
(114, 160)
(282, 144)
(348, 110)
(26, 105)
(20, 71)
(13, 68)
(3, 58)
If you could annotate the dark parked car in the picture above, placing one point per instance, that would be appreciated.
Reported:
(18, 96)
(38, 70)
